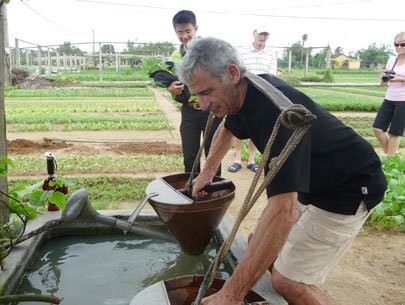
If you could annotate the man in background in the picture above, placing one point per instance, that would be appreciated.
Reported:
(260, 60)
(193, 119)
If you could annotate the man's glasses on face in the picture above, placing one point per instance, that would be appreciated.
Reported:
(184, 33)
(402, 45)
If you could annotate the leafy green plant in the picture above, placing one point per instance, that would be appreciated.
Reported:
(245, 152)
(87, 122)
(342, 101)
(4, 162)
(149, 65)
(56, 191)
(24, 203)
(311, 79)
(108, 75)
(105, 191)
(328, 76)
(95, 92)
(114, 84)
(31, 165)
(30, 199)
(390, 212)
(294, 81)
(31, 106)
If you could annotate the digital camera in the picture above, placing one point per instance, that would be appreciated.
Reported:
(387, 75)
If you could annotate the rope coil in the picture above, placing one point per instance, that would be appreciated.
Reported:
(296, 116)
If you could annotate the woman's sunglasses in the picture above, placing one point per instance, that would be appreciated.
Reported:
(402, 45)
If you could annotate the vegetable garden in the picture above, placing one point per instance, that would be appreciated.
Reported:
(128, 105)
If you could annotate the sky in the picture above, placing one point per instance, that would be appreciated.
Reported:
(348, 24)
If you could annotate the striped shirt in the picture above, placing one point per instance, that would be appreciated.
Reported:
(259, 62)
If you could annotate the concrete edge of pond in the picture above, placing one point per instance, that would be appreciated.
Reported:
(237, 250)
(22, 254)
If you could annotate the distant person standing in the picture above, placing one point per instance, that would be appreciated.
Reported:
(258, 59)
(392, 111)
(193, 119)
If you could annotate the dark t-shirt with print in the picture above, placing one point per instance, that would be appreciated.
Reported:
(332, 167)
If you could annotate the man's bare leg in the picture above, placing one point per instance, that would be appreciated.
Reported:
(296, 293)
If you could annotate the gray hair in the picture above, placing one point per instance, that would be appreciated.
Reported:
(211, 54)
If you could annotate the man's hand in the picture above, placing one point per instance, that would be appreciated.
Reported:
(220, 298)
(199, 183)
(220, 144)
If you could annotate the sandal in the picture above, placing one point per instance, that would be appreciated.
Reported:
(253, 167)
(234, 167)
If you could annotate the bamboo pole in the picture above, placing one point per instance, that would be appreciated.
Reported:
(16, 298)
(3, 151)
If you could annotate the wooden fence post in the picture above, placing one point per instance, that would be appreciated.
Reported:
(17, 54)
(49, 62)
(39, 60)
(100, 63)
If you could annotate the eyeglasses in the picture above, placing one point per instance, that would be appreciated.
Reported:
(402, 45)
(184, 33)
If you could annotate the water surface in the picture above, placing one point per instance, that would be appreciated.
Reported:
(108, 269)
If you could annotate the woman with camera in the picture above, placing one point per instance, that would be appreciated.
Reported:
(392, 111)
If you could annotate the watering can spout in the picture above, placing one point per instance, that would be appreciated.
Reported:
(78, 206)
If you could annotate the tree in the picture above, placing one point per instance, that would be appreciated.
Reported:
(107, 49)
(319, 59)
(68, 49)
(339, 50)
(131, 47)
(374, 56)
(304, 39)
(296, 49)
(158, 48)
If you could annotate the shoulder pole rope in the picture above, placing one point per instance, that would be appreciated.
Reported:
(208, 126)
(292, 116)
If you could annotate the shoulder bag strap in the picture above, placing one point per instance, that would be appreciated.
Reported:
(275, 95)
(395, 62)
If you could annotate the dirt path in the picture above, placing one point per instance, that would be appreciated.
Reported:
(372, 272)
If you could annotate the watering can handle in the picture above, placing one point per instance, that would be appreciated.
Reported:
(210, 188)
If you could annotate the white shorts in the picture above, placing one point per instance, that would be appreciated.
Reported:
(317, 242)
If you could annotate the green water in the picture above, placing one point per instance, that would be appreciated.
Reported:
(108, 269)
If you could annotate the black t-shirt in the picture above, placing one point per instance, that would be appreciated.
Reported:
(332, 167)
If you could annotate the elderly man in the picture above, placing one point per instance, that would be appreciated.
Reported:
(319, 199)
(258, 59)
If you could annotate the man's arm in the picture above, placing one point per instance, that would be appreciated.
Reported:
(221, 142)
(271, 233)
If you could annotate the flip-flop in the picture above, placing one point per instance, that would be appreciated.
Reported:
(234, 167)
(253, 167)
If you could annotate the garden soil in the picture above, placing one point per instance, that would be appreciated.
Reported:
(371, 273)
